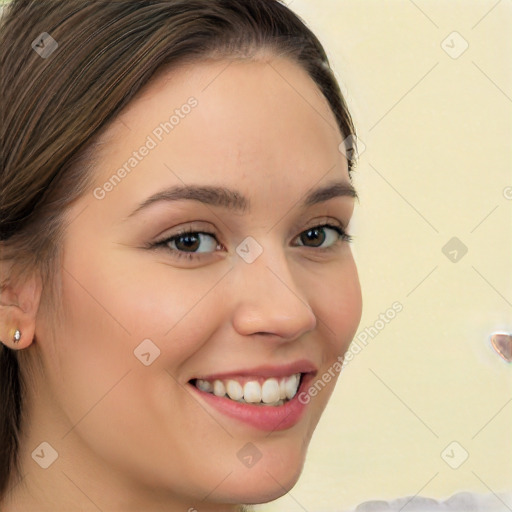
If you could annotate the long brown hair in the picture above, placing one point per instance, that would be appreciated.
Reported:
(67, 68)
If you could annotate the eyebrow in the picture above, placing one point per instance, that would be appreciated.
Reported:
(234, 201)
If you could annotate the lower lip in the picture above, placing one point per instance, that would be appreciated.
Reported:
(268, 418)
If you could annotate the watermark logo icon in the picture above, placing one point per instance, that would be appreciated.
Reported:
(249, 455)
(454, 45)
(352, 147)
(44, 45)
(454, 455)
(454, 250)
(249, 250)
(146, 352)
(45, 455)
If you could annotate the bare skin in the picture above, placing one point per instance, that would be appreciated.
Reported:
(132, 437)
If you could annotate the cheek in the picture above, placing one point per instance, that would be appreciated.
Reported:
(93, 344)
(177, 309)
(128, 298)
(338, 304)
(108, 313)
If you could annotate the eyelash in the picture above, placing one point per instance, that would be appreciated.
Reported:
(342, 236)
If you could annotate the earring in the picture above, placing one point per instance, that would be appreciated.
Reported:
(16, 336)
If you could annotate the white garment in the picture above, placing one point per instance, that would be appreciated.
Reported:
(460, 502)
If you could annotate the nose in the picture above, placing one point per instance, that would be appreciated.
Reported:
(268, 300)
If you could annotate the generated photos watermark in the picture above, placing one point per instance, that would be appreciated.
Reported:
(157, 135)
(357, 345)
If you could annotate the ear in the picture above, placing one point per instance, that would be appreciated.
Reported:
(19, 303)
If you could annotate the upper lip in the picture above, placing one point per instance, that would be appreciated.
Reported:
(266, 371)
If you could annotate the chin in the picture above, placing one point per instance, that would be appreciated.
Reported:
(267, 489)
(271, 477)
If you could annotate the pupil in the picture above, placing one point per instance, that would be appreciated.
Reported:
(190, 241)
(313, 234)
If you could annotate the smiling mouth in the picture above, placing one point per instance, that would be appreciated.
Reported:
(273, 392)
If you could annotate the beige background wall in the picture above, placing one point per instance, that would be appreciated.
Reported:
(437, 164)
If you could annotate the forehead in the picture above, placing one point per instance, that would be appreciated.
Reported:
(262, 121)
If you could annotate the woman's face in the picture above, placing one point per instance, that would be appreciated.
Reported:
(253, 296)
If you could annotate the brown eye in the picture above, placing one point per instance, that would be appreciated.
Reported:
(190, 242)
(315, 236)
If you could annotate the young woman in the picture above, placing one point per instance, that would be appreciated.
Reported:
(177, 286)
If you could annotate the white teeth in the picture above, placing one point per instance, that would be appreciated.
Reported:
(291, 384)
(252, 392)
(282, 389)
(234, 390)
(218, 388)
(204, 385)
(270, 392)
